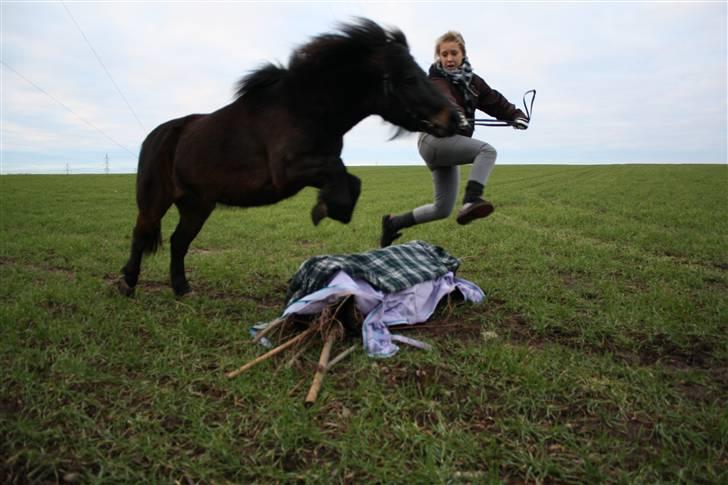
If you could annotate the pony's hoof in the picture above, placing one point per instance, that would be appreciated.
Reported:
(124, 288)
(318, 212)
(188, 295)
(181, 290)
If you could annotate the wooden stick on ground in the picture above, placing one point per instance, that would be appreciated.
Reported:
(339, 357)
(267, 329)
(321, 369)
(273, 352)
(299, 352)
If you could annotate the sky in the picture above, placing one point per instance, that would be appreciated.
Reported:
(83, 83)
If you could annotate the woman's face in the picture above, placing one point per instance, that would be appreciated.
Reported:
(450, 55)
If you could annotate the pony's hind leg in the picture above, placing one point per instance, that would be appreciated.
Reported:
(130, 271)
(193, 212)
(146, 239)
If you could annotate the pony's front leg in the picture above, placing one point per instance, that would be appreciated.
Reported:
(337, 196)
(338, 190)
(193, 213)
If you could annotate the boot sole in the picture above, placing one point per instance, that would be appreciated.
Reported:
(477, 212)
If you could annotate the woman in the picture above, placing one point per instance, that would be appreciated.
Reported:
(452, 74)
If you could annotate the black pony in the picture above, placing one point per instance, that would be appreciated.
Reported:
(283, 132)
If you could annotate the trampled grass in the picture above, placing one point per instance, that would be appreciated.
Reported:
(599, 354)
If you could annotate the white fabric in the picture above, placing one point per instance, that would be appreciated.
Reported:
(409, 306)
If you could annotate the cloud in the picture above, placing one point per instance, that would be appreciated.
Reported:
(643, 80)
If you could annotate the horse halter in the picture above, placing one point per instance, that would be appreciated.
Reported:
(495, 122)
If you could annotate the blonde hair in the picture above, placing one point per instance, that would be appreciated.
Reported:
(449, 36)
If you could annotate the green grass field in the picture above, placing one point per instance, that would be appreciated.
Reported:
(599, 355)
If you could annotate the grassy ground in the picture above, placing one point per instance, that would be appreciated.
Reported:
(600, 353)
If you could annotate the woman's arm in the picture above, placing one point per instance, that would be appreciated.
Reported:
(494, 103)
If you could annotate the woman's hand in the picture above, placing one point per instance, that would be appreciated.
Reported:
(520, 124)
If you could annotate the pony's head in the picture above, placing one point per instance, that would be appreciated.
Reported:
(407, 98)
(372, 68)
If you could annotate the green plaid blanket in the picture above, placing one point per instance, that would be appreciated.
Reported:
(390, 269)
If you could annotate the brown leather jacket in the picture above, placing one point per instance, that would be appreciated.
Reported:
(487, 100)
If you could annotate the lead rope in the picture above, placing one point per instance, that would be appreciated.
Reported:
(495, 122)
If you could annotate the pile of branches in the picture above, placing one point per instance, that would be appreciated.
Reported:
(332, 324)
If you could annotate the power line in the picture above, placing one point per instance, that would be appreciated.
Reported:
(102, 65)
(66, 107)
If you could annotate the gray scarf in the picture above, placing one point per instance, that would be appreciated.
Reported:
(461, 78)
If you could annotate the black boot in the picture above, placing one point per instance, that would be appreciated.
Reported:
(392, 224)
(474, 207)
(473, 191)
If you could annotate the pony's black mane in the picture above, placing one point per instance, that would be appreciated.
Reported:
(263, 76)
(352, 41)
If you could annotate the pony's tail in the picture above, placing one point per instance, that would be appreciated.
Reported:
(154, 184)
(149, 237)
(152, 202)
